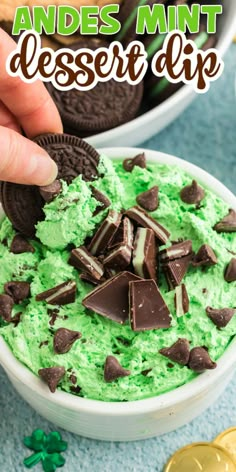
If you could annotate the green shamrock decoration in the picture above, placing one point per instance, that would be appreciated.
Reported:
(47, 449)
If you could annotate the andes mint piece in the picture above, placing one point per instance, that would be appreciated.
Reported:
(119, 258)
(230, 273)
(200, 360)
(149, 199)
(19, 291)
(20, 245)
(179, 352)
(192, 193)
(204, 257)
(49, 192)
(101, 198)
(113, 370)
(145, 254)
(87, 278)
(62, 294)
(105, 233)
(181, 300)
(227, 224)
(175, 270)
(143, 219)
(64, 339)
(81, 259)
(111, 299)
(124, 235)
(176, 251)
(6, 305)
(139, 160)
(220, 317)
(52, 376)
(147, 307)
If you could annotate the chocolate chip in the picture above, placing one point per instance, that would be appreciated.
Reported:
(52, 376)
(230, 273)
(49, 192)
(113, 370)
(204, 257)
(227, 224)
(6, 305)
(149, 199)
(220, 317)
(192, 193)
(19, 291)
(181, 300)
(102, 199)
(179, 352)
(200, 360)
(62, 294)
(143, 219)
(139, 160)
(20, 245)
(64, 340)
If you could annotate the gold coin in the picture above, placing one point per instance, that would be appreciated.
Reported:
(201, 457)
(227, 439)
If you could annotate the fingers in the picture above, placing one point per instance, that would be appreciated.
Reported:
(23, 161)
(30, 103)
(7, 119)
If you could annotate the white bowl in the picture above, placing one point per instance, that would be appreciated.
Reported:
(142, 128)
(136, 419)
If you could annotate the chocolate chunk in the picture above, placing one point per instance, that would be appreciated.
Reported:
(20, 245)
(181, 300)
(105, 233)
(64, 340)
(19, 291)
(149, 199)
(6, 305)
(111, 299)
(49, 192)
(62, 294)
(200, 360)
(179, 352)
(81, 259)
(147, 307)
(139, 160)
(220, 317)
(175, 270)
(176, 251)
(138, 215)
(124, 236)
(192, 193)
(204, 257)
(52, 376)
(145, 254)
(119, 258)
(227, 224)
(102, 199)
(230, 273)
(113, 370)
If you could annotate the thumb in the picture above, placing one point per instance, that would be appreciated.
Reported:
(24, 162)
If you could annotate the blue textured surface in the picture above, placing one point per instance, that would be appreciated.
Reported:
(205, 135)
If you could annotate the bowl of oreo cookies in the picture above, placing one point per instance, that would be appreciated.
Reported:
(117, 290)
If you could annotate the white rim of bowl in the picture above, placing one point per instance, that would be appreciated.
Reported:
(194, 388)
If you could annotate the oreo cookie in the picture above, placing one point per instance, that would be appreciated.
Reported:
(23, 204)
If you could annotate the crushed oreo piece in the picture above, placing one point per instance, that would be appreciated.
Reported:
(227, 224)
(52, 376)
(20, 245)
(146, 372)
(104, 202)
(199, 360)
(149, 199)
(220, 317)
(181, 300)
(139, 160)
(145, 254)
(113, 370)
(62, 294)
(73, 379)
(51, 191)
(53, 315)
(6, 305)
(81, 259)
(192, 194)
(16, 319)
(176, 251)
(64, 340)
(19, 291)
(179, 352)
(143, 219)
(230, 272)
(43, 343)
(147, 307)
(76, 389)
(175, 271)
(204, 257)
(105, 233)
